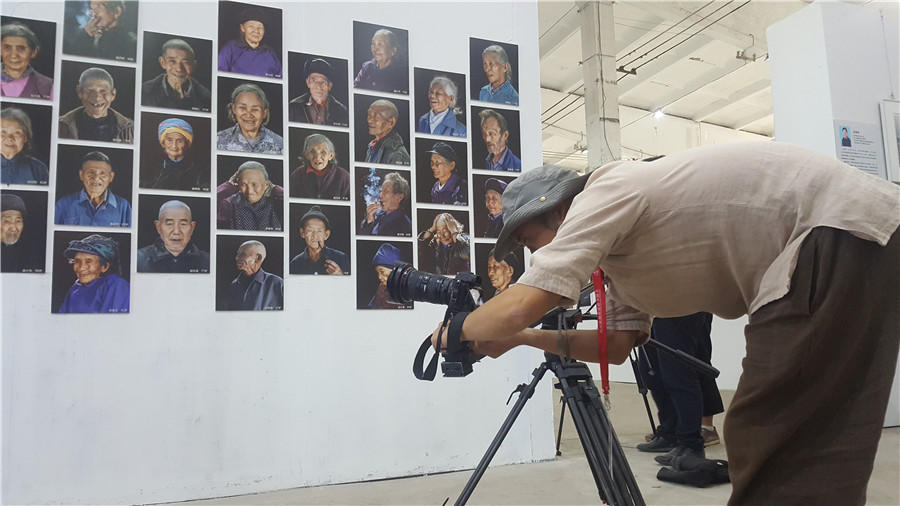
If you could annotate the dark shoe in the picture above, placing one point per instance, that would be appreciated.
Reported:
(659, 444)
(690, 460)
(679, 452)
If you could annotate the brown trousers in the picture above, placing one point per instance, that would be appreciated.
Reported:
(804, 423)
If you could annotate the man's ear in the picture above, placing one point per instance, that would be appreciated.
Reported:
(556, 215)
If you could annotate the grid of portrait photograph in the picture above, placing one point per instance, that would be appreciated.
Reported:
(371, 156)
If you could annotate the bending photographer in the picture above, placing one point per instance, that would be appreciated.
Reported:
(799, 241)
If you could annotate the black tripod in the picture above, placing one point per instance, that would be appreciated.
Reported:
(612, 474)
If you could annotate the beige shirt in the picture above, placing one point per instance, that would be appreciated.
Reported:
(714, 229)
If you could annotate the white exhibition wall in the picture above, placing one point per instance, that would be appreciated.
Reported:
(176, 401)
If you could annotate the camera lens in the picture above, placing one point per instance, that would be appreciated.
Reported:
(405, 284)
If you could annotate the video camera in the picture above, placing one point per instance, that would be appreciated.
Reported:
(461, 294)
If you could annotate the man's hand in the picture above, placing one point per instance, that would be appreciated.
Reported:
(371, 209)
(437, 334)
(332, 268)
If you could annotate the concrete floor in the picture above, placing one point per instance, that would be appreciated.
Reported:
(565, 480)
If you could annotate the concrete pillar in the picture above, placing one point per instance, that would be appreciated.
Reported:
(601, 98)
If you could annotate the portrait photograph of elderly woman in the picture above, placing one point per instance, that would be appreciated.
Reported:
(104, 29)
(249, 273)
(381, 130)
(174, 152)
(96, 102)
(317, 86)
(25, 148)
(497, 274)
(440, 102)
(441, 172)
(28, 48)
(444, 241)
(250, 117)
(374, 262)
(23, 231)
(319, 158)
(380, 58)
(91, 272)
(250, 196)
(494, 71)
(250, 39)
(176, 72)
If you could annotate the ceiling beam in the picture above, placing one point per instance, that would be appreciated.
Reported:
(563, 132)
(651, 69)
(564, 28)
(700, 81)
(721, 30)
(749, 119)
(718, 105)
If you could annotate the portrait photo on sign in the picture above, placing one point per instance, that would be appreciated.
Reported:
(499, 146)
(383, 202)
(250, 194)
(494, 71)
(317, 87)
(174, 152)
(319, 239)
(25, 150)
(381, 130)
(104, 29)
(28, 56)
(317, 162)
(93, 186)
(250, 39)
(487, 203)
(444, 241)
(374, 262)
(173, 234)
(23, 231)
(497, 275)
(96, 102)
(440, 102)
(380, 58)
(250, 116)
(91, 272)
(249, 273)
(177, 72)
(441, 172)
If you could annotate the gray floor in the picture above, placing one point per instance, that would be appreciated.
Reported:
(565, 480)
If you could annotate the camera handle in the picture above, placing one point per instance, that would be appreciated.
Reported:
(457, 361)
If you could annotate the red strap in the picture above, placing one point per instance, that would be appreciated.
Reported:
(600, 299)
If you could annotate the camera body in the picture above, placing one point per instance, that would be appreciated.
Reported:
(461, 295)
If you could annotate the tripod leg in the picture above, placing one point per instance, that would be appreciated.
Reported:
(562, 416)
(524, 395)
(642, 385)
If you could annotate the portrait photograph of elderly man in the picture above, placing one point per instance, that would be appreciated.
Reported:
(91, 273)
(380, 58)
(23, 231)
(499, 140)
(382, 130)
(185, 79)
(494, 71)
(497, 276)
(173, 234)
(249, 273)
(168, 158)
(375, 261)
(444, 245)
(319, 84)
(441, 172)
(438, 104)
(320, 240)
(488, 220)
(249, 39)
(23, 155)
(319, 174)
(95, 90)
(249, 199)
(93, 184)
(26, 52)
(248, 110)
(383, 202)
(104, 29)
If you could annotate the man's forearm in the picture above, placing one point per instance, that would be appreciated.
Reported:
(515, 309)
(583, 344)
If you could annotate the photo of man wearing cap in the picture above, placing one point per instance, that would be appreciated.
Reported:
(315, 230)
(168, 160)
(490, 223)
(450, 188)
(318, 106)
(23, 233)
(245, 52)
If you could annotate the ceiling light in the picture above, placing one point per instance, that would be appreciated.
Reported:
(658, 114)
